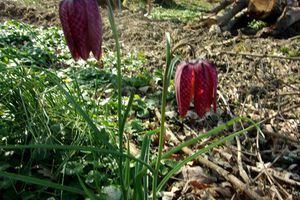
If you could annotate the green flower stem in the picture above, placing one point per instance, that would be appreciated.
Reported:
(119, 80)
(162, 123)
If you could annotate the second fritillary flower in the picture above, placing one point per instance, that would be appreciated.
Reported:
(196, 79)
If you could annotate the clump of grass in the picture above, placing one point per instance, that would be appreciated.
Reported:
(290, 52)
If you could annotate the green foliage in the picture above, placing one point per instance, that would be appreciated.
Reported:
(33, 110)
(179, 13)
(22, 44)
(290, 52)
(257, 24)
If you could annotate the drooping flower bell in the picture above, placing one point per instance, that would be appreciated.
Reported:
(196, 79)
(82, 26)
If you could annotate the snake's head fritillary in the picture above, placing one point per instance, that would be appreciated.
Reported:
(82, 27)
(196, 79)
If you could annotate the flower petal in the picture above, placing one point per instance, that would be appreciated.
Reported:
(64, 15)
(79, 27)
(184, 83)
(94, 28)
(203, 89)
(214, 79)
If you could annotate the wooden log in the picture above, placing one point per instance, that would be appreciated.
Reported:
(266, 9)
(238, 6)
(262, 5)
(281, 13)
(289, 16)
(223, 4)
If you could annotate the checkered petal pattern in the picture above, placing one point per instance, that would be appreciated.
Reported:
(82, 26)
(184, 83)
(204, 88)
(94, 28)
(211, 68)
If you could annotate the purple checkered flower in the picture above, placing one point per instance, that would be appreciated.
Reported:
(82, 26)
(196, 79)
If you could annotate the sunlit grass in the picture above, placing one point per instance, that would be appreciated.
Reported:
(182, 11)
(31, 2)
(33, 110)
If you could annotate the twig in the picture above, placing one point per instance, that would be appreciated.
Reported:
(227, 175)
(257, 55)
(289, 94)
(269, 177)
(276, 175)
(283, 137)
(275, 134)
(293, 38)
(288, 196)
(231, 178)
(243, 173)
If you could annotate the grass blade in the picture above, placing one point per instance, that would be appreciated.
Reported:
(76, 148)
(28, 179)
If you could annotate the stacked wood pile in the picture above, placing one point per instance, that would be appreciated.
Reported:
(284, 13)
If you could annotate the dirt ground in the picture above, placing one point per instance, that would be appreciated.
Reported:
(256, 79)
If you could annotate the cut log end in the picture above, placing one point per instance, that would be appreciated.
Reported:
(262, 5)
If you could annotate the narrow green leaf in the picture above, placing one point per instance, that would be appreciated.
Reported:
(87, 192)
(28, 179)
(76, 148)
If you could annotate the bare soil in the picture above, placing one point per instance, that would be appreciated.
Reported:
(256, 79)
